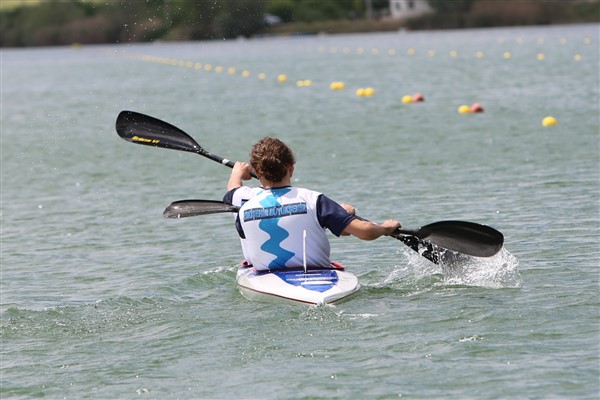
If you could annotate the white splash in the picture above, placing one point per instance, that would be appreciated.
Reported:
(498, 271)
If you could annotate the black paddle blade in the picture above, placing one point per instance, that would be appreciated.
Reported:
(460, 236)
(144, 129)
(191, 208)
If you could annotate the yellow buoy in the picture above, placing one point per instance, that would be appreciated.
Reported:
(245, 73)
(303, 82)
(336, 85)
(369, 91)
(281, 78)
(360, 92)
(262, 76)
(549, 121)
(464, 109)
(407, 99)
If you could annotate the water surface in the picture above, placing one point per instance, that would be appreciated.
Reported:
(103, 298)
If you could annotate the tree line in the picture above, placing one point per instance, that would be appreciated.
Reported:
(74, 21)
(92, 22)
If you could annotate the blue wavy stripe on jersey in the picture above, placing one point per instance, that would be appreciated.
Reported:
(277, 233)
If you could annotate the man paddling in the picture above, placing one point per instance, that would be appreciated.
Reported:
(281, 224)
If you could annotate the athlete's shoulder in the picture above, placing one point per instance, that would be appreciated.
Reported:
(241, 195)
(307, 193)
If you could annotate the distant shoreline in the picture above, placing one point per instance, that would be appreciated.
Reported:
(83, 24)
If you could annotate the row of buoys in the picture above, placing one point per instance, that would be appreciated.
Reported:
(506, 55)
(411, 50)
(335, 86)
(478, 108)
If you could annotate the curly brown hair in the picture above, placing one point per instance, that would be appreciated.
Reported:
(271, 158)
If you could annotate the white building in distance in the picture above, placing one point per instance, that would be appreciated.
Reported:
(400, 9)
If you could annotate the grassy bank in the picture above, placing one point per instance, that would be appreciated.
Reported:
(333, 27)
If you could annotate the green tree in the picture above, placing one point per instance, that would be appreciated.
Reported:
(41, 25)
(239, 18)
(284, 9)
(314, 10)
(193, 18)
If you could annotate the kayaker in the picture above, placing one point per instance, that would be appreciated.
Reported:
(277, 220)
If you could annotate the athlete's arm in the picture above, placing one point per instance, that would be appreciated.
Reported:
(367, 230)
(340, 220)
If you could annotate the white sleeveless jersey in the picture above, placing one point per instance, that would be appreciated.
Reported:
(273, 222)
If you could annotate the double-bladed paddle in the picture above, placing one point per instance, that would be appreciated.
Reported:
(459, 236)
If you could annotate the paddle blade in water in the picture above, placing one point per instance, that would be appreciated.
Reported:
(463, 237)
(144, 129)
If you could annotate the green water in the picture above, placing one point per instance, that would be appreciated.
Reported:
(103, 298)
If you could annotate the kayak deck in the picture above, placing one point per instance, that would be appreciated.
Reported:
(315, 286)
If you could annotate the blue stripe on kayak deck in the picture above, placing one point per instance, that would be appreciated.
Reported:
(317, 280)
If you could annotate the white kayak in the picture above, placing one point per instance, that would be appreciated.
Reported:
(315, 286)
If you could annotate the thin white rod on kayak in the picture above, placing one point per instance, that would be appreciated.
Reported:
(304, 249)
